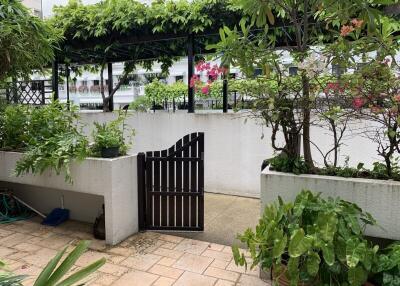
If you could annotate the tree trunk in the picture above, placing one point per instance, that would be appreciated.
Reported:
(106, 106)
(306, 123)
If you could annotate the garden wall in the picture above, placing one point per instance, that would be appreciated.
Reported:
(378, 197)
(95, 180)
(234, 147)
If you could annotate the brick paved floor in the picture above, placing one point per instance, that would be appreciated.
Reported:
(144, 259)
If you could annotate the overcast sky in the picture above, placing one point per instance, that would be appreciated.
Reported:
(48, 5)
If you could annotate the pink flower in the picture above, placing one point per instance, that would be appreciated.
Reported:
(205, 89)
(358, 102)
(194, 80)
(345, 30)
(357, 23)
(397, 98)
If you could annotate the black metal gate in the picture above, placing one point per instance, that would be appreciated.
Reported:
(171, 186)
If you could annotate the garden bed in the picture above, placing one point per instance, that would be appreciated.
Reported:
(114, 179)
(378, 197)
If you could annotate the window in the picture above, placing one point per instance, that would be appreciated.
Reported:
(179, 78)
(84, 82)
(293, 71)
(96, 82)
(232, 75)
(36, 85)
(338, 70)
(257, 72)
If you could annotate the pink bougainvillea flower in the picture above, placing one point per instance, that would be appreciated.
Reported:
(357, 23)
(194, 80)
(205, 89)
(358, 102)
(345, 30)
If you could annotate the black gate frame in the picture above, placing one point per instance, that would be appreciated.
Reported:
(171, 186)
(34, 92)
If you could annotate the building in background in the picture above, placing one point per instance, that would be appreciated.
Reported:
(35, 6)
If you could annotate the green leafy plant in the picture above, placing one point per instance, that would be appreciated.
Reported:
(387, 267)
(51, 138)
(311, 240)
(111, 134)
(284, 163)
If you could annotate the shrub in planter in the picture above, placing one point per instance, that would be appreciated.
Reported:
(109, 140)
(388, 266)
(311, 241)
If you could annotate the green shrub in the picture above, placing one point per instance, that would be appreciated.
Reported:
(14, 127)
(284, 163)
(111, 134)
(318, 241)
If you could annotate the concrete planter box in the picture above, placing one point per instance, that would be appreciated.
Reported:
(113, 179)
(378, 197)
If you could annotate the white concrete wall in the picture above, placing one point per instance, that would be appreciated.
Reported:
(95, 180)
(378, 197)
(234, 147)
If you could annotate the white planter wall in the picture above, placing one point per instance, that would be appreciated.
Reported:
(378, 197)
(234, 147)
(95, 180)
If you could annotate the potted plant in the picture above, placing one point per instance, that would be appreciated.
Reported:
(109, 141)
(311, 241)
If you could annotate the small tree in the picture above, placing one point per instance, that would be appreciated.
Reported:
(26, 42)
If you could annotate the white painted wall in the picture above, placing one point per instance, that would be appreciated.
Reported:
(378, 197)
(234, 147)
(115, 180)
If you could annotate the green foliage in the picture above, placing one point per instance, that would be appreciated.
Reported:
(13, 127)
(318, 241)
(283, 163)
(158, 92)
(111, 134)
(26, 42)
(53, 275)
(387, 268)
(50, 136)
(141, 104)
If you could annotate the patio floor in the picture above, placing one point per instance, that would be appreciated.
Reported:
(224, 217)
(144, 259)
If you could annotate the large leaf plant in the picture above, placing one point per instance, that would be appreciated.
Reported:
(312, 241)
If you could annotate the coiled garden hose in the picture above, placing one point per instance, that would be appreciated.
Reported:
(12, 210)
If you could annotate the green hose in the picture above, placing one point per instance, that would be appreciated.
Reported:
(11, 210)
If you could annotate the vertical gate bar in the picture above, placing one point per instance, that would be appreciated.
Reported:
(201, 180)
(141, 173)
(164, 179)
(149, 188)
(178, 182)
(171, 177)
(193, 180)
(157, 189)
(42, 91)
(186, 214)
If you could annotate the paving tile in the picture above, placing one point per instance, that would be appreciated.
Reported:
(217, 263)
(41, 257)
(170, 238)
(221, 282)
(166, 271)
(248, 280)
(113, 269)
(18, 255)
(141, 262)
(168, 245)
(222, 274)
(164, 281)
(217, 255)
(29, 270)
(5, 251)
(215, 246)
(166, 261)
(136, 277)
(242, 269)
(121, 251)
(168, 253)
(193, 263)
(90, 257)
(4, 232)
(28, 247)
(14, 239)
(106, 279)
(56, 241)
(192, 246)
(116, 259)
(194, 279)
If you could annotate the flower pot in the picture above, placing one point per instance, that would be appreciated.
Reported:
(110, 152)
